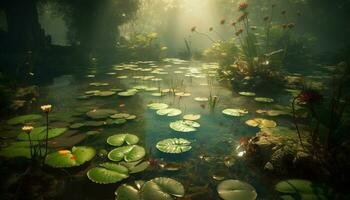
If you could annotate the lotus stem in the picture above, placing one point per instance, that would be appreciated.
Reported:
(296, 123)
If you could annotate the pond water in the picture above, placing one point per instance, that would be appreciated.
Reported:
(215, 154)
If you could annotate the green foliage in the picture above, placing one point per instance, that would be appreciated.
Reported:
(66, 158)
(222, 51)
(138, 45)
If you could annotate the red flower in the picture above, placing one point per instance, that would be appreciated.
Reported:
(243, 6)
(240, 31)
(309, 97)
(242, 17)
(73, 157)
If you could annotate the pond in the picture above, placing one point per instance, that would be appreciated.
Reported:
(192, 89)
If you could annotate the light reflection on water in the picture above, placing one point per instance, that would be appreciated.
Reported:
(216, 138)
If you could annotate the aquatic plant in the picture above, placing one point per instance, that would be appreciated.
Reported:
(236, 189)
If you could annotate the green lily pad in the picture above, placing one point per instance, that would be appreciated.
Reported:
(94, 123)
(157, 106)
(24, 119)
(116, 121)
(107, 173)
(235, 112)
(302, 189)
(17, 149)
(174, 145)
(76, 125)
(120, 139)
(261, 123)
(137, 166)
(235, 189)
(247, 94)
(104, 93)
(272, 113)
(39, 133)
(264, 99)
(192, 117)
(120, 116)
(65, 158)
(128, 153)
(162, 188)
(184, 126)
(100, 113)
(127, 192)
(128, 93)
(170, 112)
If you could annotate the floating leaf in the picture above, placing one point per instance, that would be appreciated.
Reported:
(128, 153)
(272, 113)
(39, 133)
(128, 93)
(162, 188)
(170, 112)
(94, 123)
(201, 99)
(104, 93)
(65, 158)
(304, 189)
(120, 139)
(127, 192)
(174, 145)
(157, 106)
(17, 149)
(235, 112)
(100, 113)
(76, 125)
(183, 94)
(235, 189)
(120, 116)
(247, 94)
(261, 123)
(107, 173)
(136, 167)
(24, 119)
(184, 126)
(264, 99)
(191, 117)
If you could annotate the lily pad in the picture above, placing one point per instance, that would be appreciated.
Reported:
(127, 192)
(105, 93)
(128, 93)
(100, 113)
(247, 94)
(76, 125)
(235, 112)
(128, 153)
(201, 99)
(170, 112)
(107, 173)
(157, 106)
(174, 145)
(303, 189)
(137, 166)
(65, 158)
(272, 113)
(192, 117)
(39, 133)
(120, 116)
(162, 188)
(120, 139)
(264, 99)
(235, 189)
(184, 126)
(24, 119)
(17, 149)
(261, 123)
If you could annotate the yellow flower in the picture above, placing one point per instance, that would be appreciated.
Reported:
(64, 152)
(46, 108)
(27, 129)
